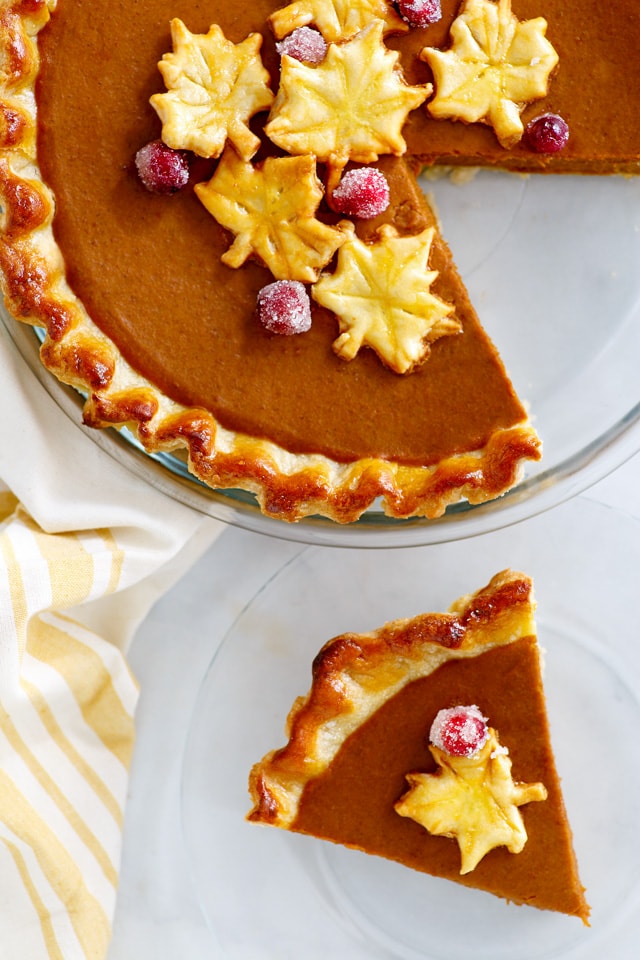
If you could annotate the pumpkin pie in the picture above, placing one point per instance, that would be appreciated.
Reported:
(427, 742)
(149, 303)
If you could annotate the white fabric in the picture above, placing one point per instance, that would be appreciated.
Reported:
(86, 548)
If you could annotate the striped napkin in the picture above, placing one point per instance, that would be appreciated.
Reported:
(85, 550)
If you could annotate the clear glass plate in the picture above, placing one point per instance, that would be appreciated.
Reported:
(267, 893)
(552, 265)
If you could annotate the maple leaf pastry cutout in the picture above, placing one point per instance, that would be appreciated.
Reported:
(495, 66)
(214, 87)
(351, 106)
(380, 293)
(473, 799)
(271, 210)
(336, 19)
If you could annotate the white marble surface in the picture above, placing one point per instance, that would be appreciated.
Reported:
(157, 914)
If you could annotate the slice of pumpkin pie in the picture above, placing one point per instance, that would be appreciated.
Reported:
(427, 742)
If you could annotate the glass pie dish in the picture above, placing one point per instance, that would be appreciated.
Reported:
(551, 264)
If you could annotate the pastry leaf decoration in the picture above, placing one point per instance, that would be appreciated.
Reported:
(380, 293)
(352, 106)
(473, 799)
(271, 210)
(336, 19)
(214, 87)
(495, 66)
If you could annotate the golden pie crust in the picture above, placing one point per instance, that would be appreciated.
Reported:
(353, 741)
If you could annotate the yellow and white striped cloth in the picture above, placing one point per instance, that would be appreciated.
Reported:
(67, 703)
(80, 565)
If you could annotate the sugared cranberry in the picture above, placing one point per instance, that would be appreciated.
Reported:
(419, 13)
(362, 192)
(459, 731)
(161, 169)
(547, 133)
(284, 307)
(304, 44)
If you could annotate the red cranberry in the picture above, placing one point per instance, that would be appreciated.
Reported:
(362, 192)
(419, 13)
(304, 44)
(459, 731)
(284, 307)
(161, 169)
(547, 133)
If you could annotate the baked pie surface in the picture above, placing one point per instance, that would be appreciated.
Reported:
(143, 316)
(363, 727)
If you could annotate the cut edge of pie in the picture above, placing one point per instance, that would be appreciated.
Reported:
(287, 486)
(356, 675)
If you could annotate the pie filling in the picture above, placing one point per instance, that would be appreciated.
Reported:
(353, 801)
(148, 269)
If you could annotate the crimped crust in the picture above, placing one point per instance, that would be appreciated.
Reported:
(354, 674)
(288, 486)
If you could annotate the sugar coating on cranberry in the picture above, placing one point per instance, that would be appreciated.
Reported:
(459, 731)
(362, 192)
(304, 44)
(284, 307)
(547, 133)
(419, 13)
(161, 169)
